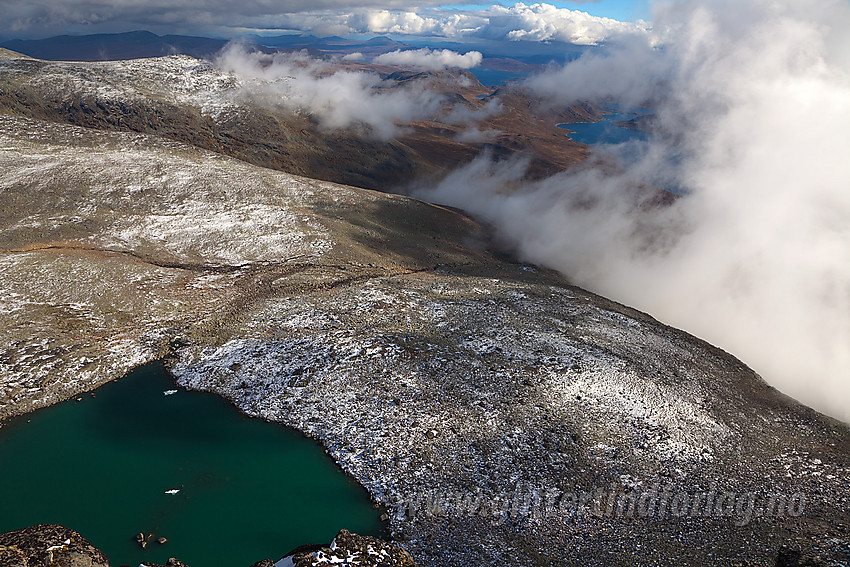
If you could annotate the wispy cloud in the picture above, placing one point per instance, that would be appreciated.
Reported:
(336, 97)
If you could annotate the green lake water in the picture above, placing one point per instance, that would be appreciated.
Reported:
(248, 489)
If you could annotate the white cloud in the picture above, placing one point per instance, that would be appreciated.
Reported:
(433, 59)
(391, 22)
(753, 101)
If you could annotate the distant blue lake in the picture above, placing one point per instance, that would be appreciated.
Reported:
(248, 489)
(606, 131)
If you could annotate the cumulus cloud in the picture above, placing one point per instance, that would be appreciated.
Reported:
(336, 98)
(403, 22)
(433, 59)
(752, 110)
(543, 22)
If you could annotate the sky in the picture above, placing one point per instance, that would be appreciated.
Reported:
(221, 18)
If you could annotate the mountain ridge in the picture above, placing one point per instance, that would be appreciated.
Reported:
(191, 100)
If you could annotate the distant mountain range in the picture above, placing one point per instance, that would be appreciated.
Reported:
(114, 47)
(140, 44)
(510, 56)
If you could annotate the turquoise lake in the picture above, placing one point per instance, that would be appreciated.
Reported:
(248, 489)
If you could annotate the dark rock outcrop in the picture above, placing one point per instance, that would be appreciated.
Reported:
(795, 556)
(48, 545)
(352, 549)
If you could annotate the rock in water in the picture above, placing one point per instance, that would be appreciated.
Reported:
(48, 545)
(172, 562)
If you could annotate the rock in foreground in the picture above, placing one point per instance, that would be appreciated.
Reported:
(48, 545)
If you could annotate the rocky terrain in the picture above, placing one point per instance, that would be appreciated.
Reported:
(501, 414)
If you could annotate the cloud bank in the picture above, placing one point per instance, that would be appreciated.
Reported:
(35, 19)
(433, 59)
(752, 113)
(535, 22)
